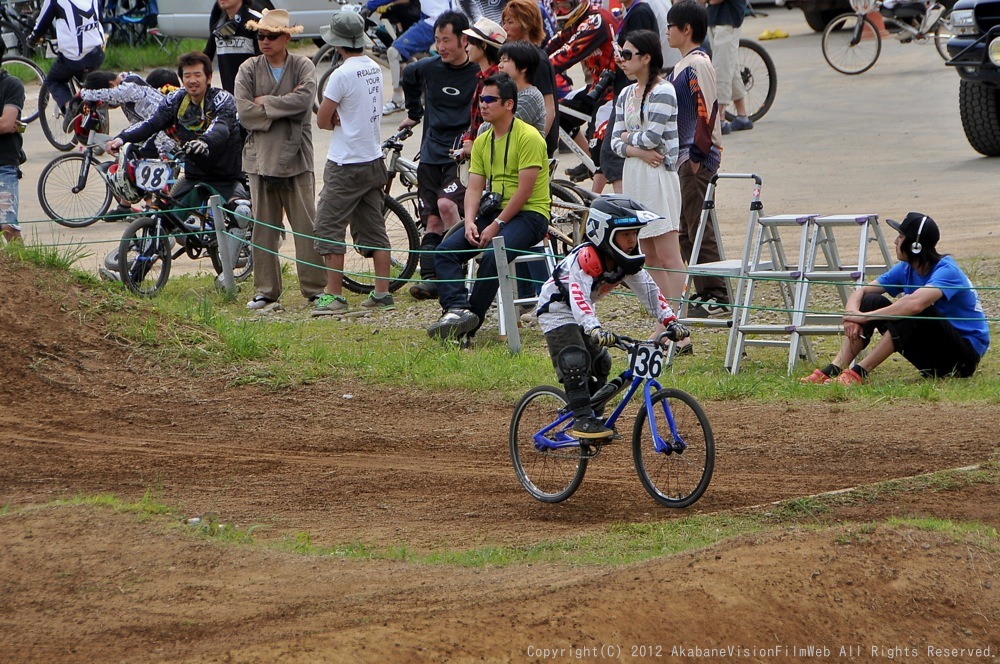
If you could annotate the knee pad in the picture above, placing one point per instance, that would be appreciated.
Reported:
(601, 366)
(574, 365)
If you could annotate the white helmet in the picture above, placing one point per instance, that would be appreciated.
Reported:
(121, 179)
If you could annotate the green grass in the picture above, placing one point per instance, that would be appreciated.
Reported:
(618, 544)
(47, 256)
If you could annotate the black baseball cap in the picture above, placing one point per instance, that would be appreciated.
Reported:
(917, 223)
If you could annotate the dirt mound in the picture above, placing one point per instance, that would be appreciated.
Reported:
(87, 414)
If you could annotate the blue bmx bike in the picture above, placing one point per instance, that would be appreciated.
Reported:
(673, 447)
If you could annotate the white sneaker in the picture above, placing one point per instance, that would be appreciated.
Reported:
(392, 107)
(261, 303)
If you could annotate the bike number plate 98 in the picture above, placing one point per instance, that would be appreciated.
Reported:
(152, 175)
(647, 360)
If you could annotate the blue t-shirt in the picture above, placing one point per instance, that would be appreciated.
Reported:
(959, 302)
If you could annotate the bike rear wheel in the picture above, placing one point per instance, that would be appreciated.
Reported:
(851, 44)
(32, 76)
(144, 257)
(72, 192)
(51, 119)
(678, 476)
(760, 78)
(326, 59)
(549, 475)
(404, 242)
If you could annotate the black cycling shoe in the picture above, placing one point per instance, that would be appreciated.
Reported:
(590, 428)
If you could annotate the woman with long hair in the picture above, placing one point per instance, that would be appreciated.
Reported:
(646, 135)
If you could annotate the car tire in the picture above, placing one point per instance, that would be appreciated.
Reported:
(979, 106)
(818, 19)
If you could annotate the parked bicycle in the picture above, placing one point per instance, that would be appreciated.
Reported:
(74, 189)
(172, 228)
(673, 448)
(32, 76)
(852, 43)
(17, 20)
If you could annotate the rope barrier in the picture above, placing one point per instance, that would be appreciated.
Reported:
(526, 252)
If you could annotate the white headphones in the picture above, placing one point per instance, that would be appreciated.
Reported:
(916, 247)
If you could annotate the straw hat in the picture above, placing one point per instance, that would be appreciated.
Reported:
(275, 20)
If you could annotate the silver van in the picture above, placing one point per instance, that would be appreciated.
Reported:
(189, 18)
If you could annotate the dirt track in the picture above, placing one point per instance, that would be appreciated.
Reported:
(88, 415)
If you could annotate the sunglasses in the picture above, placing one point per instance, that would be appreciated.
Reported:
(268, 36)
(626, 54)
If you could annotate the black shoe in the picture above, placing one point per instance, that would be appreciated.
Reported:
(590, 427)
(424, 290)
(454, 324)
(578, 173)
(685, 350)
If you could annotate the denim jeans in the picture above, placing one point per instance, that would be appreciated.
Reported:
(9, 198)
(522, 232)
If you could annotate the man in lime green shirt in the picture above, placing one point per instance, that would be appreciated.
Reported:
(510, 160)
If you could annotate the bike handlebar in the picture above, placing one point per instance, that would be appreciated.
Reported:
(396, 140)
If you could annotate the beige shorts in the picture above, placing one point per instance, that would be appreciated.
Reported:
(352, 197)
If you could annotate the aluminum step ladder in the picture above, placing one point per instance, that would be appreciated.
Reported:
(820, 264)
(732, 270)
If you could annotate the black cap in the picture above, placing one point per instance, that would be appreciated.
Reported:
(918, 224)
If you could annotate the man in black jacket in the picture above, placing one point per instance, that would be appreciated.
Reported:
(230, 39)
(203, 120)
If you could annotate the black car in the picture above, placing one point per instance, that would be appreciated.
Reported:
(975, 54)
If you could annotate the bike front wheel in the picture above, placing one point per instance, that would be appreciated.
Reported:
(72, 192)
(326, 59)
(760, 78)
(851, 44)
(32, 76)
(943, 31)
(678, 476)
(404, 243)
(550, 475)
(144, 257)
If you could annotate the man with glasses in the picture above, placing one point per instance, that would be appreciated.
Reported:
(203, 120)
(510, 162)
(274, 95)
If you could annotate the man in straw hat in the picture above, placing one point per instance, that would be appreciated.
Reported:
(355, 173)
(274, 94)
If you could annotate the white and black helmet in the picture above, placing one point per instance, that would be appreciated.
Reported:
(610, 214)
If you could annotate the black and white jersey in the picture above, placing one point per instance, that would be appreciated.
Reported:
(77, 24)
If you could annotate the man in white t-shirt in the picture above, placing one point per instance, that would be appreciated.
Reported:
(355, 173)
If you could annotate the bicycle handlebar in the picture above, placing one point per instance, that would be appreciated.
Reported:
(626, 343)
(395, 141)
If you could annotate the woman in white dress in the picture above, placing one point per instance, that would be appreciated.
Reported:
(646, 113)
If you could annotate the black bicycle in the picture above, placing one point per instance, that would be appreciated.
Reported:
(172, 228)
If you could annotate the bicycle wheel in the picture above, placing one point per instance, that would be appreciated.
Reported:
(550, 475)
(943, 31)
(851, 44)
(144, 257)
(326, 59)
(15, 40)
(411, 203)
(72, 192)
(760, 78)
(51, 119)
(679, 476)
(404, 241)
(32, 76)
(569, 213)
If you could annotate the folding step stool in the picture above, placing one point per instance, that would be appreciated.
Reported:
(777, 270)
(729, 269)
(818, 235)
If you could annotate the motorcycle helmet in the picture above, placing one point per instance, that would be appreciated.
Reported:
(611, 214)
(120, 179)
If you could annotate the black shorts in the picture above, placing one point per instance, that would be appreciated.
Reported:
(436, 181)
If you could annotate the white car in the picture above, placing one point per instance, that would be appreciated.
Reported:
(189, 18)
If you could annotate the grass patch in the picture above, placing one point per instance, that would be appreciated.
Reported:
(620, 544)
(50, 257)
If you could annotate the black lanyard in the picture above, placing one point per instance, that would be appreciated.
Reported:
(506, 149)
